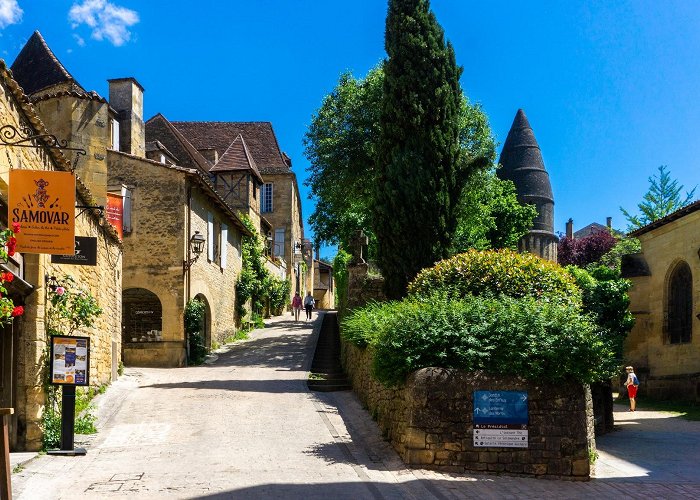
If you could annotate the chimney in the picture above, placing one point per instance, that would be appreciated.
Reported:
(608, 222)
(126, 97)
(570, 228)
(210, 154)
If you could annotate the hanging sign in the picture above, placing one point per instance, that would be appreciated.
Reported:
(500, 419)
(85, 253)
(43, 203)
(70, 360)
(115, 212)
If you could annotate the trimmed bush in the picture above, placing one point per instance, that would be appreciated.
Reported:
(497, 272)
(511, 336)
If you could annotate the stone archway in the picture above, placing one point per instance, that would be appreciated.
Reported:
(206, 321)
(142, 316)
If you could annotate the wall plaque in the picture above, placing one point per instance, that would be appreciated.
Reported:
(85, 253)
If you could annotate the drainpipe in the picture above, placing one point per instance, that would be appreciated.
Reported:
(187, 259)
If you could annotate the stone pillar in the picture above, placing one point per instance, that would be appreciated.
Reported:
(126, 97)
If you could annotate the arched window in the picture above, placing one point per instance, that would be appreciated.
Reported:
(679, 313)
(142, 316)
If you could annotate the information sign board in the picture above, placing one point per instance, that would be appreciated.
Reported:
(85, 253)
(500, 419)
(70, 360)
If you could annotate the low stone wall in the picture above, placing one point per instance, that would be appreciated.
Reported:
(363, 287)
(429, 420)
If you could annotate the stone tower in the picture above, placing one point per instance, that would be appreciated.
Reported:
(521, 161)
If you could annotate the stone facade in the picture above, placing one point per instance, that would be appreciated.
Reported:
(324, 285)
(363, 287)
(169, 204)
(666, 367)
(103, 281)
(429, 420)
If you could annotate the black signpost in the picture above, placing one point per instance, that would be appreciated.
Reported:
(70, 367)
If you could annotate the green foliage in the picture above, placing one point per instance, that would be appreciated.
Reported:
(419, 173)
(70, 309)
(340, 145)
(625, 246)
(605, 297)
(662, 198)
(255, 282)
(195, 313)
(340, 276)
(490, 216)
(534, 339)
(501, 272)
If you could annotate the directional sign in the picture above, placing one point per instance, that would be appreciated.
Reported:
(500, 419)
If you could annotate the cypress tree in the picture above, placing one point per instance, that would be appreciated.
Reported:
(419, 182)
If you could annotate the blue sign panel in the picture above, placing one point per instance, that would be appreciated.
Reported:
(500, 407)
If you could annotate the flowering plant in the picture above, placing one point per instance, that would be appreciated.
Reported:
(8, 242)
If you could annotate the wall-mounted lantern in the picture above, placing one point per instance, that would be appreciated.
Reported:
(196, 247)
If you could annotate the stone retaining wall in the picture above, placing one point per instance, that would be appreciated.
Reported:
(429, 420)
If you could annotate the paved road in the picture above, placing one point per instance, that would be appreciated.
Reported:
(246, 427)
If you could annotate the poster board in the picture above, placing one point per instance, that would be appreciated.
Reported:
(501, 419)
(114, 212)
(43, 203)
(70, 360)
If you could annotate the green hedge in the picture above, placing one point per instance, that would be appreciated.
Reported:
(535, 339)
(497, 272)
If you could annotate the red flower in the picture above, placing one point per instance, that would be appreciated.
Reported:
(15, 227)
(11, 244)
(7, 277)
(17, 311)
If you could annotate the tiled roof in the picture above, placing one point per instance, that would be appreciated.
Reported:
(237, 157)
(681, 212)
(36, 67)
(158, 146)
(259, 137)
(160, 129)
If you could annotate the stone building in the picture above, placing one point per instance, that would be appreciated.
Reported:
(163, 200)
(664, 344)
(324, 286)
(521, 162)
(23, 343)
(252, 174)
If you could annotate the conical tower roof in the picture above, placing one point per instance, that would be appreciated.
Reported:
(521, 162)
(237, 157)
(36, 67)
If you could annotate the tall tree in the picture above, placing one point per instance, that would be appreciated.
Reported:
(662, 198)
(419, 173)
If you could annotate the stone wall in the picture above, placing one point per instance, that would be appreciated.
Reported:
(363, 287)
(429, 420)
(103, 281)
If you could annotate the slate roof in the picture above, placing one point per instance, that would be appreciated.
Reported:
(237, 157)
(681, 212)
(158, 128)
(37, 67)
(259, 137)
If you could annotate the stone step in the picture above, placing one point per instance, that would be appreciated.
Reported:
(326, 363)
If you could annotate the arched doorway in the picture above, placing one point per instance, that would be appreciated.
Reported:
(206, 321)
(679, 305)
(142, 316)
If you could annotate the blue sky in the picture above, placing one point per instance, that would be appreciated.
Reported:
(610, 88)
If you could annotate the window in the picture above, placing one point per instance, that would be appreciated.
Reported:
(279, 243)
(210, 237)
(114, 130)
(223, 245)
(679, 313)
(266, 198)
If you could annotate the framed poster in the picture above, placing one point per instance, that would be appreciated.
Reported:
(70, 360)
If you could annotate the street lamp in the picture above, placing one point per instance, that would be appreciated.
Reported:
(197, 247)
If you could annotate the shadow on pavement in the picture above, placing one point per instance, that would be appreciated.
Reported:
(270, 386)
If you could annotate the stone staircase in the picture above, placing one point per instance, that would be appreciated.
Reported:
(326, 374)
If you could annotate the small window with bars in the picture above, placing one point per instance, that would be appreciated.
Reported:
(266, 198)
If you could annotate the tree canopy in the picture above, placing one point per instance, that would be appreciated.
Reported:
(662, 198)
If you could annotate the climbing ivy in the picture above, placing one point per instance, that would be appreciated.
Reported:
(195, 311)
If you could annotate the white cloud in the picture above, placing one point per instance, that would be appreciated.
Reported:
(106, 20)
(10, 13)
(79, 40)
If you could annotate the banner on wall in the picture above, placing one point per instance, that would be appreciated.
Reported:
(43, 203)
(115, 212)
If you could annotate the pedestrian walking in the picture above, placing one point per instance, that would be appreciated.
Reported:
(296, 305)
(309, 303)
(632, 383)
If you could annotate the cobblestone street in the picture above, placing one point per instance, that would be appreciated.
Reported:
(245, 426)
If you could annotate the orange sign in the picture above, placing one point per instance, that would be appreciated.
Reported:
(115, 212)
(43, 203)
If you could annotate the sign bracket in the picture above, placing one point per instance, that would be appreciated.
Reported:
(11, 136)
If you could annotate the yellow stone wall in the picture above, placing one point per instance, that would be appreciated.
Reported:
(646, 347)
(156, 248)
(84, 123)
(103, 281)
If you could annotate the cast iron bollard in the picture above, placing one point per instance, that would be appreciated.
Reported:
(5, 478)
